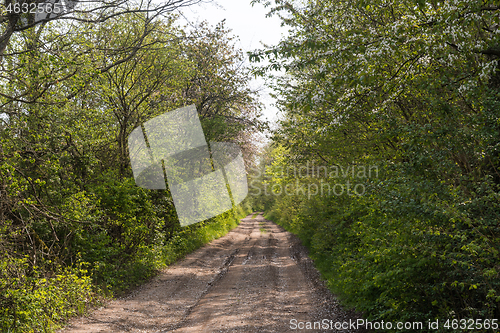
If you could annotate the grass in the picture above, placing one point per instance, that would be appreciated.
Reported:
(151, 260)
(262, 224)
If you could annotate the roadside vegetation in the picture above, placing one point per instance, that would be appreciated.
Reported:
(74, 227)
(386, 159)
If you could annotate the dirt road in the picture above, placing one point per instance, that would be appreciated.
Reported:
(257, 278)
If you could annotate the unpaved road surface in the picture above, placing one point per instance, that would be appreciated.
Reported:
(257, 278)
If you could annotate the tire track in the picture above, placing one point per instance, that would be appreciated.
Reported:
(255, 279)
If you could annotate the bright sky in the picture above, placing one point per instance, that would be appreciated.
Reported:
(247, 22)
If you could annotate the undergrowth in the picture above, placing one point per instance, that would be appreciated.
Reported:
(31, 300)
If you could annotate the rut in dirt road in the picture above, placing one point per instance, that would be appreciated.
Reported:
(257, 278)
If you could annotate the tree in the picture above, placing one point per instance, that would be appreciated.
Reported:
(46, 36)
(387, 62)
(412, 88)
(218, 86)
(145, 86)
(71, 91)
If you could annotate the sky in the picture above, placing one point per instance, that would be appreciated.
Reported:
(252, 27)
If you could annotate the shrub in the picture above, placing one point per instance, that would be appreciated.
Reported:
(32, 302)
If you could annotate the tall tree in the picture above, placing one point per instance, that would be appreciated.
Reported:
(411, 87)
(218, 86)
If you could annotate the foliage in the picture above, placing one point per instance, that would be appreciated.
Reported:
(73, 224)
(412, 88)
(31, 302)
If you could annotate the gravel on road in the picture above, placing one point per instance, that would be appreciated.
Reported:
(257, 278)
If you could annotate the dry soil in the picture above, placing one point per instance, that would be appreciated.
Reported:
(257, 278)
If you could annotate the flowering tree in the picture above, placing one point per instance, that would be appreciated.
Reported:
(413, 87)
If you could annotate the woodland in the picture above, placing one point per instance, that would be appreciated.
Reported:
(398, 100)
(74, 227)
(411, 89)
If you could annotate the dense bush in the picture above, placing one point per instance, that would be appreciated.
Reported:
(33, 302)
(409, 249)
(413, 88)
(74, 226)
